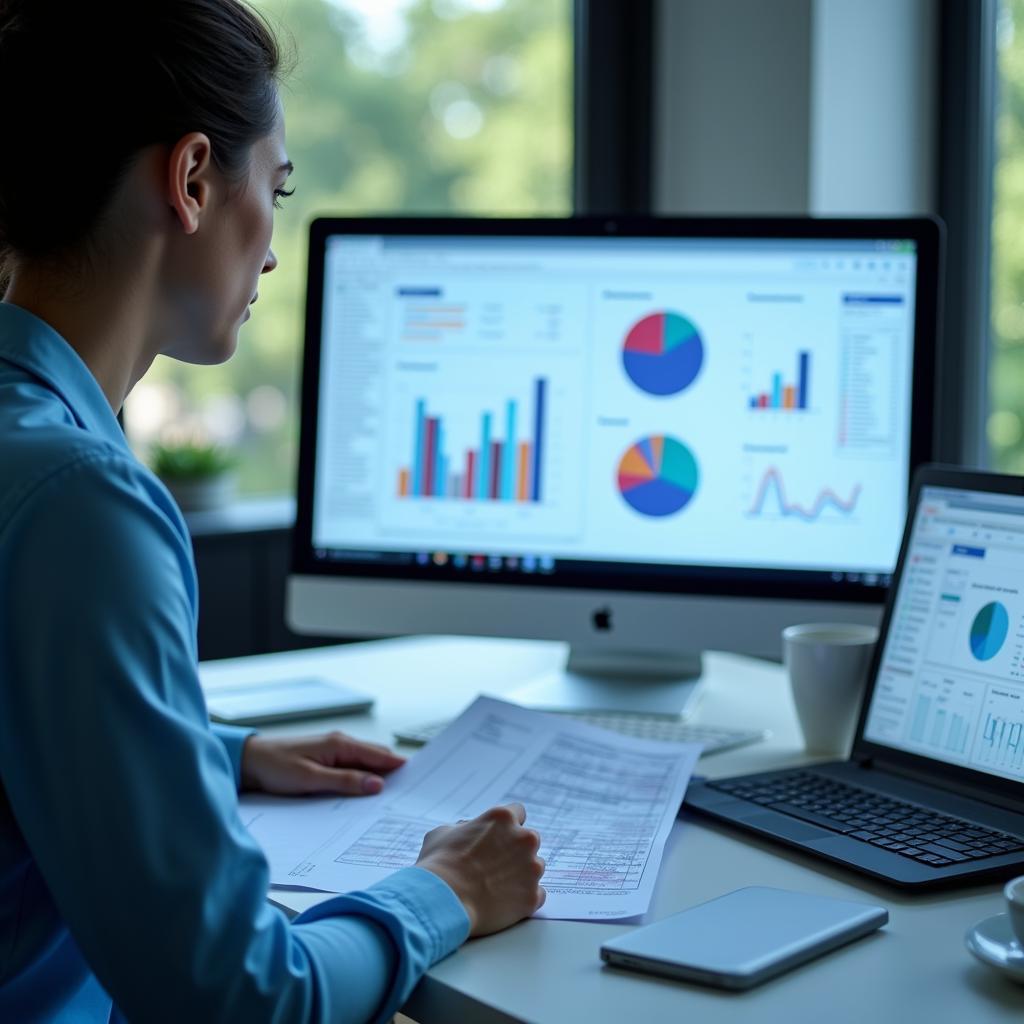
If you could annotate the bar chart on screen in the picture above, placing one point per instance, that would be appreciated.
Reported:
(507, 463)
(472, 458)
(944, 712)
(782, 396)
(1000, 739)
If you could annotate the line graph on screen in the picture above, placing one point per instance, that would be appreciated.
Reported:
(773, 487)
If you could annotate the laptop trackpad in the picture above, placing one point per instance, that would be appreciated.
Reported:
(787, 828)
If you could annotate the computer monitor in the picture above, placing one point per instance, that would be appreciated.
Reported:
(645, 437)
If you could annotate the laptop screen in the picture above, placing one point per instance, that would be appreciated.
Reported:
(950, 682)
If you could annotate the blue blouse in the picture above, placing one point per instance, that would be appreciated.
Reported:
(128, 885)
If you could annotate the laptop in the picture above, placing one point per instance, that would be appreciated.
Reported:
(932, 794)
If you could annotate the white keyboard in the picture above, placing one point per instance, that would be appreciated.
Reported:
(649, 727)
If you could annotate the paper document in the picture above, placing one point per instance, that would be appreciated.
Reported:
(603, 804)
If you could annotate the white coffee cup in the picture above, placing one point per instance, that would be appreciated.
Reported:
(1014, 893)
(828, 664)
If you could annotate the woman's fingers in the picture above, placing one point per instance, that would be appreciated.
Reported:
(344, 750)
(345, 781)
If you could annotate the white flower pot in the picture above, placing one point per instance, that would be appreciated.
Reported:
(202, 494)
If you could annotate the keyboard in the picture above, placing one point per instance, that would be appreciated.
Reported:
(908, 829)
(715, 739)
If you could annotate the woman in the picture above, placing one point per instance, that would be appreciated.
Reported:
(142, 161)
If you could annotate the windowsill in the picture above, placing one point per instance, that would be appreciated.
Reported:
(250, 515)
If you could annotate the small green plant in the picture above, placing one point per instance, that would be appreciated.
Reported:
(190, 460)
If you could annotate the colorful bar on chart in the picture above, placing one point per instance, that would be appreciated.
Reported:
(523, 490)
(403, 483)
(804, 380)
(429, 457)
(484, 480)
(495, 491)
(440, 462)
(509, 454)
(421, 440)
(539, 419)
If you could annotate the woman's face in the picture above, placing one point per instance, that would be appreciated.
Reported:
(219, 274)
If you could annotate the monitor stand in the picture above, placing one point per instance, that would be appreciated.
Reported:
(618, 681)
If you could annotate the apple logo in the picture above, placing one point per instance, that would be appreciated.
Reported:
(603, 619)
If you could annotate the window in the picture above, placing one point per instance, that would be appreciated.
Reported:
(417, 106)
(1006, 385)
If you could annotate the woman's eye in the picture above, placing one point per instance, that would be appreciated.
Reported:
(282, 193)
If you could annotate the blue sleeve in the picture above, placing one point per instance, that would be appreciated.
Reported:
(128, 801)
(418, 913)
(233, 737)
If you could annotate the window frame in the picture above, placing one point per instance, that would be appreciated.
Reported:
(613, 107)
(966, 163)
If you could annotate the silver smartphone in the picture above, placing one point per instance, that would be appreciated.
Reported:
(743, 938)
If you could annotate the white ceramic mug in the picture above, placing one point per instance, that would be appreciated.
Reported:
(828, 664)
(1014, 893)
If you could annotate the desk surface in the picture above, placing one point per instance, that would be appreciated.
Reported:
(915, 969)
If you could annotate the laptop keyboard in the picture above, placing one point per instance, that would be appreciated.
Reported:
(907, 829)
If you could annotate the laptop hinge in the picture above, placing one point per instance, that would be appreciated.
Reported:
(948, 785)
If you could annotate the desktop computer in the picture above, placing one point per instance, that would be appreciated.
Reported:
(643, 437)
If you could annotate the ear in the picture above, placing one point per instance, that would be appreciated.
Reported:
(189, 171)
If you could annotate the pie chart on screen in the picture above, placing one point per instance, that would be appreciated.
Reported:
(988, 631)
(658, 476)
(663, 353)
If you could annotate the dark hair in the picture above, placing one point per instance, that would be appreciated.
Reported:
(86, 86)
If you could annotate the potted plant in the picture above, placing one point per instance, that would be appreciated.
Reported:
(199, 476)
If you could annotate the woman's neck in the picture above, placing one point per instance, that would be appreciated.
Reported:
(109, 331)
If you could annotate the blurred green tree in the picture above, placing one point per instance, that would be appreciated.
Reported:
(466, 107)
(1006, 380)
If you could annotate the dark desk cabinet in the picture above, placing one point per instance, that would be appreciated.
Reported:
(242, 559)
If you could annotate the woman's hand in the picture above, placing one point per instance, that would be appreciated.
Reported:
(491, 863)
(329, 763)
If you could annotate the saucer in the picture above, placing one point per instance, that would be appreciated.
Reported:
(992, 941)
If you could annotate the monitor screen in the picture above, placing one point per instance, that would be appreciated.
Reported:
(950, 683)
(642, 412)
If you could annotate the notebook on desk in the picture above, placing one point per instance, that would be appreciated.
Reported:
(933, 792)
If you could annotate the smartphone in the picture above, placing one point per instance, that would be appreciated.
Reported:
(743, 938)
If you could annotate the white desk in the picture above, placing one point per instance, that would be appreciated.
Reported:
(914, 970)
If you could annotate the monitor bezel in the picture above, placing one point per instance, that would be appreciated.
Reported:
(977, 783)
(926, 232)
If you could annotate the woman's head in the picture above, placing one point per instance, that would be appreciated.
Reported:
(148, 129)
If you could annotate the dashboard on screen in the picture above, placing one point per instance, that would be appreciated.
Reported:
(950, 683)
(548, 406)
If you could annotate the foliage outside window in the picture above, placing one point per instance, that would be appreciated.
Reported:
(1006, 387)
(396, 106)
